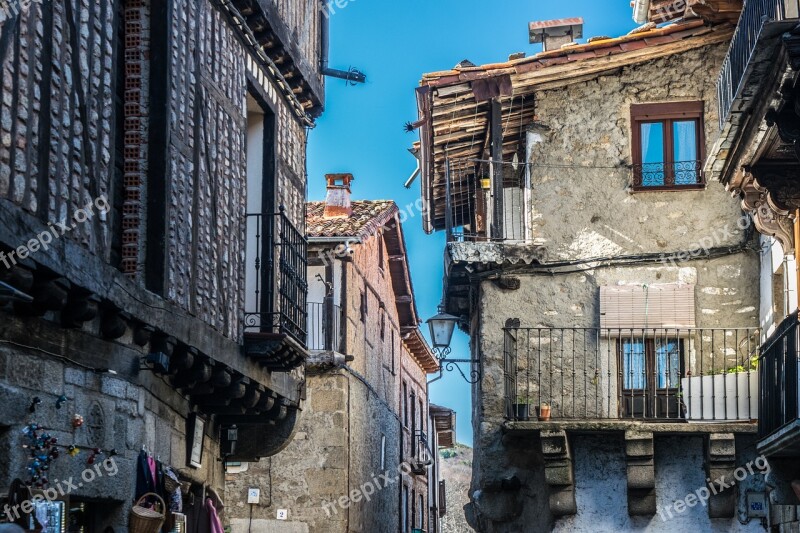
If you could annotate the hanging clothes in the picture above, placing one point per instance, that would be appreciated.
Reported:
(214, 523)
(145, 480)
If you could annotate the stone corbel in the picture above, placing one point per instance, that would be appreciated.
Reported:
(769, 217)
(720, 465)
(641, 473)
(558, 472)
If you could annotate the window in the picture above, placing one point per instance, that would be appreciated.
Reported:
(668, 144)
(421, 416)
(363, 308)
(380, 253)
(404, 510)
(421, 511)
(413, 413)
(413, 507)
(383, 324)
(779, 310)
(393, 361)
(405, 404)
(383, 452)
(651, 373)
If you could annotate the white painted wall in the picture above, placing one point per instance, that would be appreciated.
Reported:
(255, 184)
(772, 257)
(601, 488)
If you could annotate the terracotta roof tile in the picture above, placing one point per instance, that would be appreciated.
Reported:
(368, 216)
(581, 52)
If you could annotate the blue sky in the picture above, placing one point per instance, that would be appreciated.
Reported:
(394, 43)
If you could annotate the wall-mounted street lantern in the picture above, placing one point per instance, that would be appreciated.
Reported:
(229, 444)
(442, 326)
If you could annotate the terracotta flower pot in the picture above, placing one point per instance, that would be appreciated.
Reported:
(544, 413)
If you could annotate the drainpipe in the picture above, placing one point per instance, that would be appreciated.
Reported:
(351, 76)
(641, 11)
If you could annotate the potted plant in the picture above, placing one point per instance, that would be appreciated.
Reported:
(522, 410)
(544, 411)
(722, 394)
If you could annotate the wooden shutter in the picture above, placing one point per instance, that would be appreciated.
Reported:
(666, 306)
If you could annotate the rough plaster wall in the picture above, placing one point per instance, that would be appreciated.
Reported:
(588, 212)
(572, 205)
(601, 487)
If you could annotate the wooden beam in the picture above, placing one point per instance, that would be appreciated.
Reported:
(496, 130)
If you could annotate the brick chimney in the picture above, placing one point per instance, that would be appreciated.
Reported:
(337, 202)
(553, 34)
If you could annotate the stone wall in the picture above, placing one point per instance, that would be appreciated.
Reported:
(582, 208)
(581, 203)
(123, 412)
(348, 415)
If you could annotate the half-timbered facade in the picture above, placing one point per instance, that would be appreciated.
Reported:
(152, 236)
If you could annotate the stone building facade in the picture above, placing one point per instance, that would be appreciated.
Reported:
(605, 285)
(151, 130)
(362, 458)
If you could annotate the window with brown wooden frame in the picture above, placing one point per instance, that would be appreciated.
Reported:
(668, 146)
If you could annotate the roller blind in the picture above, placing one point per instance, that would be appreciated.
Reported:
(665, 306)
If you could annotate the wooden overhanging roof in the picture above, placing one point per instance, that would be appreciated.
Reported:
(444, 420)
(454, 105)
(714, 11)
(261, 27)
(381, 217)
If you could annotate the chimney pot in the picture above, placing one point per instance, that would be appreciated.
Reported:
(553, 34)
(337, 202)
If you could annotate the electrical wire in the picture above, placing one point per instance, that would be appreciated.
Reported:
(605, 262)
(60, 357)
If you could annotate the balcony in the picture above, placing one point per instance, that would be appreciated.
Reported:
(751, 54)
(779, 423)
(275, 316)
(325, 327)
(656, 375)
(421, 456)
(485, 201)
(668, 176)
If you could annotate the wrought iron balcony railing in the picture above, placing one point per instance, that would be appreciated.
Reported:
(656, 374)
(678, 175)
(778, 374)
(276, 279)
(485, 201)
(324, 326)
(756, 14)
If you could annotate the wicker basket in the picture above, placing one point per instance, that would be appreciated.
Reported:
(171, 485)
(145, 520)
(186, 486)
